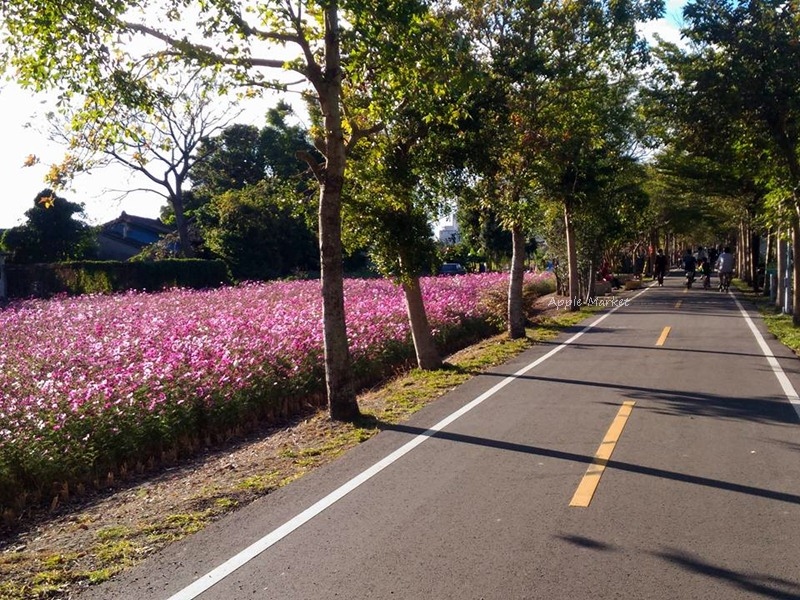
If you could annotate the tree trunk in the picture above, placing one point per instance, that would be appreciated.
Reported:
(183, 227)
(572, 259)
(341, 394)
(338, 379)
(768, 260)
(742, 254)
(755, 256)
(516, 315)
(780, 270)
(795, 290)
(428, 358)
(651, 251)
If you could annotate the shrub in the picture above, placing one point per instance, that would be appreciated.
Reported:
(535, 285)
(104, 277)
(633, 284)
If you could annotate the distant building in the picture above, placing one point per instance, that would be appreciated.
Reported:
(128, 235)
(449, 234)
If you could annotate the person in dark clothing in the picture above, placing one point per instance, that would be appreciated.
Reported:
(705, 268)
(690, 266)
(605, 274)
(660, 267)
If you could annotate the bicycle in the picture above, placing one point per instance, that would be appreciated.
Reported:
(725, 281)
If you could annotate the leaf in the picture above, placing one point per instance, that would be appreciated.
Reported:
(48, 201)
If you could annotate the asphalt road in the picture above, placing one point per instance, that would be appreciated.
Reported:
(519, 496)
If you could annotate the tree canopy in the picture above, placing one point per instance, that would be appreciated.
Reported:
(52, 232)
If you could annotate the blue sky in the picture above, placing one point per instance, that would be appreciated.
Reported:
(22, 133)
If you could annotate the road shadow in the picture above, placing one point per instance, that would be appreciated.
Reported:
(461, 438)
(767, 410)
(762, 585)
(585, 542)
(588, 345)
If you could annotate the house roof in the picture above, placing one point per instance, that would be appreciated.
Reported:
(155, 225)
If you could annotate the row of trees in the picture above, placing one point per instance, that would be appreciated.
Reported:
(728, 105)
(529, 114)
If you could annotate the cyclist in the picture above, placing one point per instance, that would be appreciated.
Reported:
(725, 269)
(690, 266)
(705, 268)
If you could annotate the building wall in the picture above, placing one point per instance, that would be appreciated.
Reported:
(449, 234)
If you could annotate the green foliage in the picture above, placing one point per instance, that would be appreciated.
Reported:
(51, 232)
(556, 141)
(415, 83)
(731, 99)
(255, 231)
(781, 326)
(243, 155)
(693, 197)
(232, 160)
(399, 239)
(615, 185)
(249, 197)
(484, 238)
(386, 210)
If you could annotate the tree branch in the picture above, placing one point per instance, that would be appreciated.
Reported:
(316, 168)
(247, 29)
(359, 134)
(186, 47)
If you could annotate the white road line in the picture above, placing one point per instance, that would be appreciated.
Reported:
(232, 564)
(786, 385)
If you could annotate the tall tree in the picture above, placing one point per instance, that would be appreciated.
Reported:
(52, 232)
(395, 227)
(563, 72)
(397, 189)
(243, 155)
(251, 197)
(256, 231)
(160, 141)
(234, 159)
(85, 46)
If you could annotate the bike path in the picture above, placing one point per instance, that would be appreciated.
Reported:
(700, 498)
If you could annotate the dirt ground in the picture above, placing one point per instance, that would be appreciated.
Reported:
(57, 553)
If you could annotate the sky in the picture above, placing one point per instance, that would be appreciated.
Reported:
(23, 132)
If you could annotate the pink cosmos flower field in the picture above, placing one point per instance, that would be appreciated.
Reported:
(90, 382)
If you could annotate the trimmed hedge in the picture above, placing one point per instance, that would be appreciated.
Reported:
(105, 277)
